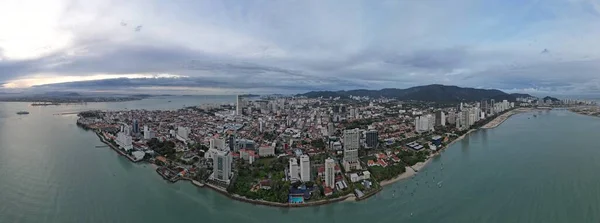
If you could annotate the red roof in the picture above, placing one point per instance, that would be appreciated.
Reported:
(328, 190)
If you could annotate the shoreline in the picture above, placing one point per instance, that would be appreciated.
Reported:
(410, 171)
(502, 118)
(348, 197)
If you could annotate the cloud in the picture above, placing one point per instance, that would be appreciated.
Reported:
(302, 45)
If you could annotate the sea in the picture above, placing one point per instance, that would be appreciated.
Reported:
(540, 166)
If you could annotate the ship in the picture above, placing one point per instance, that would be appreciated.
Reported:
(23, 113)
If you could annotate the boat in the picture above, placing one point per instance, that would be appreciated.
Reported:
(23, 113)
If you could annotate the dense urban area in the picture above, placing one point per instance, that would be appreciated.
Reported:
(298, 151)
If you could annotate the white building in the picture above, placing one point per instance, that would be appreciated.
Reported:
(147, 133)
(329, 173)
(304, 168)
(217, 144)
(183, 133)
(222, 166)
(293, 169)
(124, 139)
(351, 144)
(238, 106)
(424, 123)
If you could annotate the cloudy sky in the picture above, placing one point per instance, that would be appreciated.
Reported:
(254, 46)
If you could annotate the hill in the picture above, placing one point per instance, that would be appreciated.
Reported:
(435, 93)
(551, 99)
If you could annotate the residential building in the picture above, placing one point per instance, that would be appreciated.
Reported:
(305, 168)
(293, 169)
(329, 172)
(218, 144)
(147, 133)
(440, 118)
(238, 107)
(351, 144)
(222, 166)
(124, 139)
(371, 139)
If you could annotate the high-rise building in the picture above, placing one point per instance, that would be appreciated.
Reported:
(124, 138)
(260, 125)
(371, 139)
(330, 129)
(293, 169)
(424, 123)
(218, 144)
(147, 133)
(351, 144)
(231, 142)
(222, 166)
(304, 168)
(329, 172)
(440, 118)
(136, 126)
(238, 106)
(451, 117)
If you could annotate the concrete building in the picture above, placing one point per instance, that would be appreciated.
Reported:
(124, 139)
(218, 144)
(440, 118)
(265, 151)
(238, 105)
(330, 129)
(304, 168)
(147, 133)
(424, 123)
(183, 133)
(293, 169)
(222, 166)
(329, 173)
(351, 144)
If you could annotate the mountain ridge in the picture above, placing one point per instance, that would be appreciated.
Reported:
(433, 92)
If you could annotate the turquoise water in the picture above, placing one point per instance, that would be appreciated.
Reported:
(541, 169)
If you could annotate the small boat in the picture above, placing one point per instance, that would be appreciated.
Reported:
(23, 113)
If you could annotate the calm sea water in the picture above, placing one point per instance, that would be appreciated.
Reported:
(530, 169)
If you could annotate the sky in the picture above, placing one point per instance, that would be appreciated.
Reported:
(292, 46)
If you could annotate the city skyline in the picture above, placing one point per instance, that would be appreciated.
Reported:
(240, 46)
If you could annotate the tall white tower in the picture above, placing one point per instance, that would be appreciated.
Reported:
(238, 107)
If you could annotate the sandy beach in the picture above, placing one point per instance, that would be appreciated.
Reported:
(410, 171)
(500, 119)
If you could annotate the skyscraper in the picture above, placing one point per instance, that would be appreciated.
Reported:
(238, 107)
(351, 144)
(293, 169)
(304, 168)
(440, 118)
(218, 144)
(371, 139)
(147, 133)
(330, 129)
(136, 126)
(222, 166)
(329, 172)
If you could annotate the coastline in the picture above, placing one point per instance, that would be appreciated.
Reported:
(500, 119)
(410, 171)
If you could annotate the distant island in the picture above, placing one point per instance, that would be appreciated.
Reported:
(433, 93)
(57, 98)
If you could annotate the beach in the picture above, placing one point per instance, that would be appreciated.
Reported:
(500, 119)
